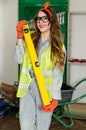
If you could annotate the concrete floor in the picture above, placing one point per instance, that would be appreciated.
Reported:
(10, 122)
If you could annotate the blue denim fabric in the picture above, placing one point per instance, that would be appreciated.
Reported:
(31, 116)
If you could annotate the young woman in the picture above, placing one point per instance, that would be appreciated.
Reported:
(48, 44)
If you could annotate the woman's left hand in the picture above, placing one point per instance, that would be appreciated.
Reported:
(51, 107)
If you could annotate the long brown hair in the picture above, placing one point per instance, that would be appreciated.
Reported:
(57, 54)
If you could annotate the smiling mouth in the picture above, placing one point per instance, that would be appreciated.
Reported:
(41, 26)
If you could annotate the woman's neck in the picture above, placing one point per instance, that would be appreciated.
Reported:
(45, 36)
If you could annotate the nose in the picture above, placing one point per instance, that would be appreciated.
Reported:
(41, 21)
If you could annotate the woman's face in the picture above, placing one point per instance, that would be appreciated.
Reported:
(43, 23)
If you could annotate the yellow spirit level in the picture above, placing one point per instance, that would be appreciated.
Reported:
(36, 66)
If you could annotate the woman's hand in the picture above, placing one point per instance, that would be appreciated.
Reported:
(51, 107)
(19, 29)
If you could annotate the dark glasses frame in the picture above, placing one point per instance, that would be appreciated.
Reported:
(44, 19)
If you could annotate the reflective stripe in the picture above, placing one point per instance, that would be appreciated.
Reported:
(23, 85)
(25, 71)
(47, 73)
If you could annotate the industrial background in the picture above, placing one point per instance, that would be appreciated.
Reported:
(72, 18)
(76, 39)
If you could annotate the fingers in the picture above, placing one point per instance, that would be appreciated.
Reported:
(46, 108)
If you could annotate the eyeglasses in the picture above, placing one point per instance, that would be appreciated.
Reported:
(44, 19)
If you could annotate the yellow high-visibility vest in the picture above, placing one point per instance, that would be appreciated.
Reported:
(46, 67)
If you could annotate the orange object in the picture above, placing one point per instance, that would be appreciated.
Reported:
(19, 28)
(51, 107)
(45, 7)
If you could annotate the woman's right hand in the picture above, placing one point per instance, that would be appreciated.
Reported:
(19, 29)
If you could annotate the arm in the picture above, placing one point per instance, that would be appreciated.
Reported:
(58, 79)
(20, 51)
(20, 42)
(57, 83)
